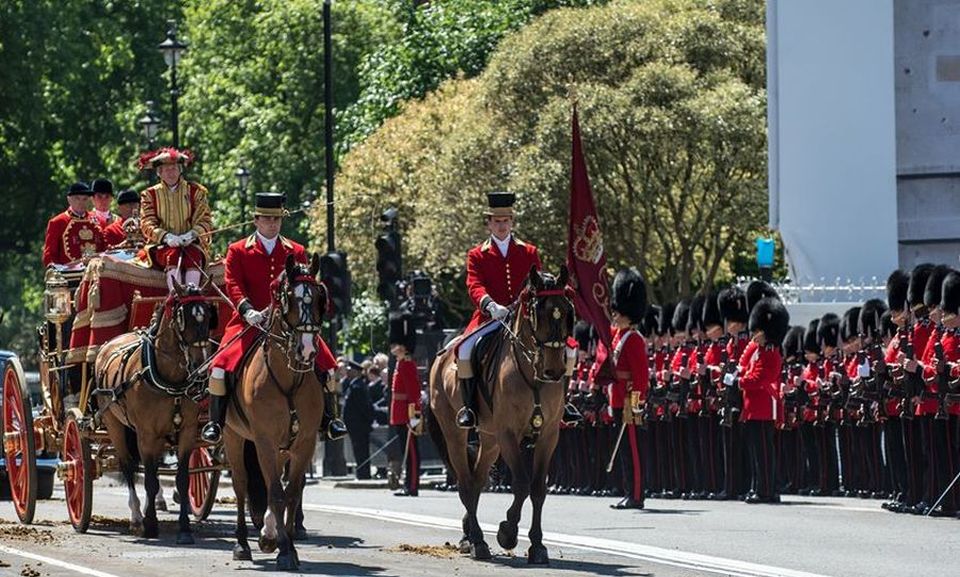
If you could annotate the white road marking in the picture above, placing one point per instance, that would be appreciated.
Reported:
(56, 562)
(674, 558)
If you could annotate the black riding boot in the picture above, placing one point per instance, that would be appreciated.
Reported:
(213, 430)
(331, 423)
(467, 416)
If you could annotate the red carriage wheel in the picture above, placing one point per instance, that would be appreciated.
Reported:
(77, 470)
(19, 441)
(203, 484)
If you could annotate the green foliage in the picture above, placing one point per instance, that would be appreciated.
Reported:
(366, 332)
(672, 111)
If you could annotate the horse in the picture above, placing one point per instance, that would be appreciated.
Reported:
(276, 409)
(147, 392)
(522, 387)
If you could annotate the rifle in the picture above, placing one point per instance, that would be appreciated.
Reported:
(909, 383)
(732, 398)
(679, 390)
(795, 400)
(942, 381)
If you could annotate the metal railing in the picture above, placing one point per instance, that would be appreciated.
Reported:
(840, 290)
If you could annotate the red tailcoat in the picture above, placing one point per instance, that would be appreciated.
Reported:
(404, 390)
(69, 237)
(632, 367)
(490, 274)
(248, 272)
(760, 384)
(951, 354)
(113, 233)
(929, 404)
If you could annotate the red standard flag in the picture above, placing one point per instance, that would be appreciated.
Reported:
(585, 257)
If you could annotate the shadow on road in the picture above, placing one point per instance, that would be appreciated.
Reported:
(317, 568)
(611, 569)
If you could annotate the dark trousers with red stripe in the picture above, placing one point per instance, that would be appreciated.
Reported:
(734, 483)
(913, 454)
(631, 466)
(810, 456)
(761, 452)
(411, 477)
(895, 453)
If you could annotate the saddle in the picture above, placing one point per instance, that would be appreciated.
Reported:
(485, 351)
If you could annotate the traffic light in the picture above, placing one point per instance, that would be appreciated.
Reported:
(336, 277)
(389, 259)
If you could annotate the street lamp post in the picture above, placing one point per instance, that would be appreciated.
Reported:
(243, 177)
(149, 123)
(172, 49)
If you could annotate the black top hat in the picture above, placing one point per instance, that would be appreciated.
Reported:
(79, 189)
(128, 196)
(270, 204)
(500, 203)
(102, 186)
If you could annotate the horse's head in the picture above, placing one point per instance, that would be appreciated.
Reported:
(192, 316)
(546, 308)
(301, 301)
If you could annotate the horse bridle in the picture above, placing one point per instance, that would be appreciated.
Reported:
(555, 340)
(290, 333)
(178, 306)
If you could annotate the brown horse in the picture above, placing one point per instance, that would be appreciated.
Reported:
(520, 419)
(276, 409)
(147, 393)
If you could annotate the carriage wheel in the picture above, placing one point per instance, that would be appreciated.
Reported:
(203, 484)
(77, 466)
(19, 442)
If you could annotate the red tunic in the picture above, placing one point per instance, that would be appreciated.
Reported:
(951, 354)
(928, 404)
(501, 278)
(104, 221)
(760, 384)
(249, 270)
(632, 367)
(809, 381)
(404, 390)
(69, 237)
(113, 233)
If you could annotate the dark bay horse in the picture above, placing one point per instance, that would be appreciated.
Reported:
(276, 409)
(153, 399)
(522, 384)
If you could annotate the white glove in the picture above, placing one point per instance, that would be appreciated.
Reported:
(496, 311)
(253, 317)
(188, 238)
(863, 369)
(172, 240)
(729, 378)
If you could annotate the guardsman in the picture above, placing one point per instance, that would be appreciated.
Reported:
(72, 234)
(769, 321)
(128, 206)
(102, 199)
(828, 337)
(496, 271)
(708, 373)
(950, 371)
(175, 218)
(251, 265)
(792, 399)
(848, 372)
(813, 482)
(628, 396)
(735, 315)
(406, 409)
(872, 370)
(896, 434)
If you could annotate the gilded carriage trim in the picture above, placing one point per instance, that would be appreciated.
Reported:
(91, 353)
(74, 356)
(109, 318)
(83, 318)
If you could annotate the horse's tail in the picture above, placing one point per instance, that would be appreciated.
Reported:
(256, 486)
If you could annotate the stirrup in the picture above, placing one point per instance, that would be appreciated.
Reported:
(466, 418)
(211, 432)
(336, 429)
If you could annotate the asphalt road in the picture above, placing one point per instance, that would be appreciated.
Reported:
(368, 532)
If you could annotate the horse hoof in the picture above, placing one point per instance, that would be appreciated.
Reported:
(465, 545)
(185, 538)
(287, 562)
(507, 536)
(537, 555)
(300, 534)
(267, 545)
(241, 553)
(151, 529)
(136, 528)
(480, 551)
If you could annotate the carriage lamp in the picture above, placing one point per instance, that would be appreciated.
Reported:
(57, 305)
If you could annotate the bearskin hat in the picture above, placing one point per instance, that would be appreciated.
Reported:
(888, 329)
(793, 343)
(733, 305)
(897, 284)
(695, 318)
(711, 312)
(828, 331)
(651, 321)
(918, 282)
(402, 332)
(771, 317)
(581, 333)
(950, 297)
(629, 295)
(810, 342)
(870, 315)
(680, 316)
(757, 290)
(850, 324)
(666, 319)
(934, 288)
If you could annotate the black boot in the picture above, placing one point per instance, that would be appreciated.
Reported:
(467, 416)
(331, 423)
(213, 430)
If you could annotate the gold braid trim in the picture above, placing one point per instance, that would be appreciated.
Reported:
(109, 318)
(83, 318)
(74, 356)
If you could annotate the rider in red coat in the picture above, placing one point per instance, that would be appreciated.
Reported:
(252, 264)
(72, 234)
(405, 404)
(496, 271)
